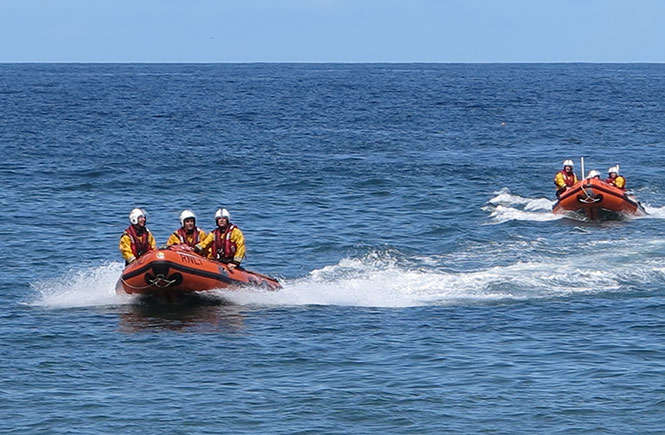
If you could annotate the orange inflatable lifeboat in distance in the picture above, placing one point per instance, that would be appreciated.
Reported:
(594, 199)
(177, 270)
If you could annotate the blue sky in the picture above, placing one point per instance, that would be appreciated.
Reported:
(332, 30)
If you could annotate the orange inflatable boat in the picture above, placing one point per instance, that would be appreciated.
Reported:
(177, 270)
(594, 199)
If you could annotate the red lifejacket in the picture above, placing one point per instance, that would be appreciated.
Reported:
(611, 181)
(182, 234)
(223, 248)
(140, 244)
(569, 179)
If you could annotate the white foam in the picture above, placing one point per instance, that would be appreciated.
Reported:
(380, 279)
(654, 212)
(506, 206)
(539, 204)
(501, 214)
(93, 286)
(356, 282)
(504, 197)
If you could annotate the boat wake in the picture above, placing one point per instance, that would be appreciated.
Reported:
(380, 281)
(654, 212)
(513, 271)
(93, 286)
(506, 206)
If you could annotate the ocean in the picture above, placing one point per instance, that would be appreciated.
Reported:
(406, 210)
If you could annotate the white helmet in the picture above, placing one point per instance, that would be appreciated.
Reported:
(187, 214)
(568, 163)
(613, 169)
(222, 213)
(593, 173)
(135, 214)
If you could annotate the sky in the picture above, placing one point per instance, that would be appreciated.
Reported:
(332, 30)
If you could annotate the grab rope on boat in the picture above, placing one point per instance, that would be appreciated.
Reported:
(590, 199)
(134, 287)
(161, 282)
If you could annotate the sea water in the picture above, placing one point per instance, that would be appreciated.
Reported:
(406, 210)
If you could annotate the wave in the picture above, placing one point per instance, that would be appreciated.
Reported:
(511, 271)
(506, 206)
(372, 282)
(92, 286)
(654, 212)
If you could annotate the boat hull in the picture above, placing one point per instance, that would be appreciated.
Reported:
(596, 200)
(176, 270)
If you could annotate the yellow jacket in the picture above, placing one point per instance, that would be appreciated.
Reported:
(236, 238)
(125, 245)
(175, 239)
(619, 181)
(560, 179)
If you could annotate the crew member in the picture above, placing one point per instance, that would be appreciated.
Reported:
(188, 234)
(615, 179)
(565, 178)
(594, 174)
(137, 239)
(226, 242)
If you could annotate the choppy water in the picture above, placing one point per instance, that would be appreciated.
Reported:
(405, 208)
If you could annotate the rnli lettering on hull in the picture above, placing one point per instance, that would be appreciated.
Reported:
(191, 260)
